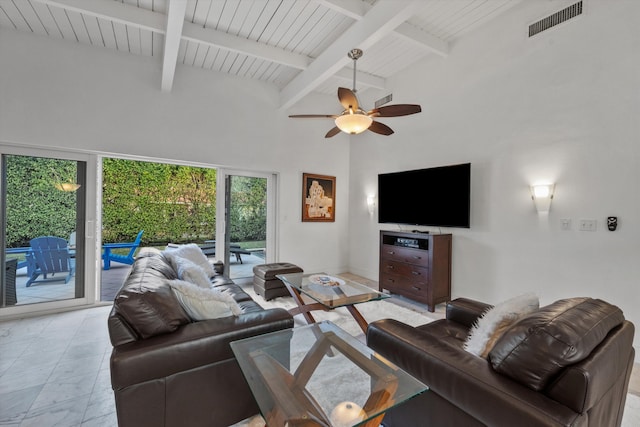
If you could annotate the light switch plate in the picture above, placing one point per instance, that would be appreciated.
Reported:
(587, 225)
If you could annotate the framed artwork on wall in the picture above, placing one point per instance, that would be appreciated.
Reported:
(318, 198)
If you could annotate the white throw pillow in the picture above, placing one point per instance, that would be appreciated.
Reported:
(495, 321)
(192, 273)
(202, 304)
(191, 252)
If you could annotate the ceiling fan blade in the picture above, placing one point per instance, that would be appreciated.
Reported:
(380, 128)
(333, 132)
(347, 98)
(395, 110)
(313, 116)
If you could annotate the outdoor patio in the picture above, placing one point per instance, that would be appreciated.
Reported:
(112, 280)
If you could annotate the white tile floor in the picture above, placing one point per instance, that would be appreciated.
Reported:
(54, 370)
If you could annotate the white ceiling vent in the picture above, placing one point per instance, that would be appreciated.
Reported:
(555, 19)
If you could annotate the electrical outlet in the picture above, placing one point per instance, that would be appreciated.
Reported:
(565, 224)
(587, 225)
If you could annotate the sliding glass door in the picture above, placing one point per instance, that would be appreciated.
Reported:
(248, 221)
(164, 204)
(42, 229)
(53, 234)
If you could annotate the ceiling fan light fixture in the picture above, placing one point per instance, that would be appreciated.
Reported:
(353, 119)
(353, 123)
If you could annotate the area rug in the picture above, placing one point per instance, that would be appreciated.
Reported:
(392, 308)
(397, 308)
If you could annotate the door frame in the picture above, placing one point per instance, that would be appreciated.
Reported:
(272, 185)
(93, 218)
(91, 250)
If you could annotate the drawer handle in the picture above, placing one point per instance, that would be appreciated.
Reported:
(415, 288)
(417, 257)
(416, 273)
(391, 252)
(390, 267)
(391, 280)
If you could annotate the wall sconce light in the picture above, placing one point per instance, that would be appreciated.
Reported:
(542, 195)
(371, 204)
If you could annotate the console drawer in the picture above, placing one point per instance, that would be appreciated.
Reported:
(410, 271)
(408, 255)
(406, 286)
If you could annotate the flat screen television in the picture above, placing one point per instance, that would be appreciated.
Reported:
(439, 196)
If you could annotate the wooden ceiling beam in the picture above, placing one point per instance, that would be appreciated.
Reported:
(379, 22)
(364, 79)
(219, 39)
(155, 21)
(357, 9)
(176, 30)
(114, 11)
(173, 35)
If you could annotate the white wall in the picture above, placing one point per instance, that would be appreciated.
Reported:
(563, 106)
(60, 94)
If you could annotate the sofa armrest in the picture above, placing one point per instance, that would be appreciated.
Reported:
(465, 380)
(191, 346)
(465, 311)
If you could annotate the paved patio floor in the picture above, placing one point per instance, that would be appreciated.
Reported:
(111, 281)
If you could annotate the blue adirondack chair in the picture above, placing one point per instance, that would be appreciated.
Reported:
(109, 256)
(49, 255)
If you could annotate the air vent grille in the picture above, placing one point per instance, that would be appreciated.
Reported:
(555, 19)
(380, 102)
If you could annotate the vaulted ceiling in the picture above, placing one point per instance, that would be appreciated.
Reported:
(299, 46)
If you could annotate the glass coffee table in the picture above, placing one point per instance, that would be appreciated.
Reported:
(327, 293)
(319, 375)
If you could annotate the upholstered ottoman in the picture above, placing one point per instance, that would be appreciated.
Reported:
(265, 282)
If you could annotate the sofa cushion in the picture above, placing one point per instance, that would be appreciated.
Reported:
(146, 301)
(541, 344)
(495, 321)
(203, 304)
(156, 262)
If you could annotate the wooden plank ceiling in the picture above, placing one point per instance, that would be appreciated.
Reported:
(299, 46)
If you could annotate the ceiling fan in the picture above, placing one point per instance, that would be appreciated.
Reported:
(355, 120)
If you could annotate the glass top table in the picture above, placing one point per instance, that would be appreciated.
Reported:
(319, 375)
(327, 293)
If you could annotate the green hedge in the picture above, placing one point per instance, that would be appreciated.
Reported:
(170, 203)
(34, 206)
(248, 209)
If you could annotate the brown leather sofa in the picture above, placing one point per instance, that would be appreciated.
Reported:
(567, 364)
(167, 370)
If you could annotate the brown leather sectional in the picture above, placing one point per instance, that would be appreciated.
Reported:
(169, 371)
(568, 364)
